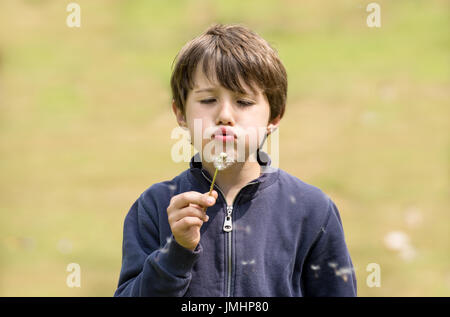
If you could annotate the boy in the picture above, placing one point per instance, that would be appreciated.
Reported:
(261, 232)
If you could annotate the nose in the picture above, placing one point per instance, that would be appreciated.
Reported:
(226, 114)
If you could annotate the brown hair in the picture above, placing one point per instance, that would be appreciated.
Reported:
(234, 52)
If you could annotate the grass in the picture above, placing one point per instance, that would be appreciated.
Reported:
(85, 118)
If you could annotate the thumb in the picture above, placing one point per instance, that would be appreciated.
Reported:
(213, 193)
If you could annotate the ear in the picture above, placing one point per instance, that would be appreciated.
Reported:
(273, 125)
(179, 115)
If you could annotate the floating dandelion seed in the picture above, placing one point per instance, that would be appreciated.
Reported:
(64, 246)
(246, 229)
(396, 240)
(413, 217)
(332, 265)
(408, 253)
(315, 268)
(27, 243)
(251, 262)
(292, 198)
(369, 118)
(343, 272)
(165, 249)
(400, 242)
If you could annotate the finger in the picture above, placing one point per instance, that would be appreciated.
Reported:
(187, 222)
(188, 212)
(200, 208)
(183, 200)
(212, 194)
(196, 206)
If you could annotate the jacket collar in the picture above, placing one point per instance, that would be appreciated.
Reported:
(267, 177)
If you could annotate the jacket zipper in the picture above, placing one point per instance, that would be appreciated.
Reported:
(228, 228)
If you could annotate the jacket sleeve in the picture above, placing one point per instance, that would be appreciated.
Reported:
(147, 268)
(328, 269)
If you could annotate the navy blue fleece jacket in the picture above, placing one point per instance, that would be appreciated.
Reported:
(286, 239)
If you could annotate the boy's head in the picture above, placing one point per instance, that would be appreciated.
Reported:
(229, 77)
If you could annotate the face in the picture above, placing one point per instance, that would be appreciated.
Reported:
(220, 120)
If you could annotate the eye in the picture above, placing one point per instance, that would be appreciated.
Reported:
(245, 103)
(207, 101)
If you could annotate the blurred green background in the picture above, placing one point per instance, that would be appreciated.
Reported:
(85, 124)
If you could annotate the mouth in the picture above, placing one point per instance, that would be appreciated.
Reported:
(224, 134)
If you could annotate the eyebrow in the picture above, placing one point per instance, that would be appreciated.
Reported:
(204, 90)
(210, 89)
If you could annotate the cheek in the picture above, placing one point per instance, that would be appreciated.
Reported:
(200, 130)
(254, 137)
(196, 121)
(255, 124)
(257, 116)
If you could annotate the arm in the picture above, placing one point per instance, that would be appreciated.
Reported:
(147, 269)
(328, 268)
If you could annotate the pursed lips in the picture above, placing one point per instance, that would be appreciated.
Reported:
(224, 134)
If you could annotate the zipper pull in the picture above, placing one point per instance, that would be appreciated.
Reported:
(228, 224)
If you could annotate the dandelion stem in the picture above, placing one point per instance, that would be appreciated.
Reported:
(213, 181)
(212, 186)
(220, 163)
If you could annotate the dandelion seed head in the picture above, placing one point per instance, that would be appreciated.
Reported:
(222, 161)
